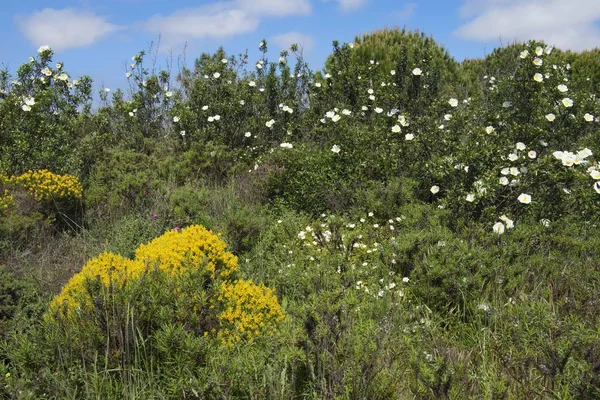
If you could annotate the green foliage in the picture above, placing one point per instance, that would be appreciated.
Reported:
(431, 232)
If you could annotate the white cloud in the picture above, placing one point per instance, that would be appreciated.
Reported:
(222, 19)
(350, 5)
(566, 24)
(213, 20)
(65, 29)
(406, 12)
(285, 40)
(276, 8)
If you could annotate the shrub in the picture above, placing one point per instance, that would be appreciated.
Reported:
(182, 277)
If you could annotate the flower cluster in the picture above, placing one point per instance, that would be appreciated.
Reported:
(249, 310)
(44, 185)
(6, 200)
(244, 309)
(110, 269)
(177, 250)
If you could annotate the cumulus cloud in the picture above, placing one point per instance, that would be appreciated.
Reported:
(213, 20)
(276, 8)
(566, 24)
(65, 29)
(222, 19)
(349, 5)
(285, 40)
(406, 12)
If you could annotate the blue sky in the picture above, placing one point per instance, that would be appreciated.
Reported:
(98, 38)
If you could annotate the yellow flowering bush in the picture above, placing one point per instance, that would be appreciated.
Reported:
(44, 185)
(6, 200)
(192, 246)
(184, 276)
(249, 310)
(111, 269)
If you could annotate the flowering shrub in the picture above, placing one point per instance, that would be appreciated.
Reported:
(41, 108)
(110, 269)
(249, 310)
(46, 186)
(6, 200)
(195, 247)
(184, 275)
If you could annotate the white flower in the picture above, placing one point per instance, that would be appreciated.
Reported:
(489, 129)
(259, 66)
(175, 119)
(448, 117)
(537, 61)
(131, 113)
(378, 110)
(106, 90)
(182, 133)
(513, 157)
(270, 123)
(514, 171)
(470, 197)
(251, 83)
(539, 51)
(247, 134)
(509, 222)
(217, 117)
(503, 180)
(409, 136)
(396, 128)
(318, 84)
(595, 174)
(417, 72)
(346, 112)
(567, 102)
(336, 118)
(550, 117)
(538, 77)
(335, 149)
(63, 77)
(548, 49)
(524, 54)
(372, 97)
(532, 154)
(453, 102)
(434, 189)
(524, 198)
(597, 187)
(43, 49)
(520, 146)
(588, 117)
(498, 228)
(25, 107)
(563, 88)
(169, 94)
(585, 153)
(286, 145)
(216, 75)
(29, 101)
(59, 65)
(506, 104)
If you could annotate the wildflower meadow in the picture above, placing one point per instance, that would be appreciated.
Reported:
(393, 224)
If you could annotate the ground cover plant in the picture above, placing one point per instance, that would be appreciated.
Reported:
(393, 225)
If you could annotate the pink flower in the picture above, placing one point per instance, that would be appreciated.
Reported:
(154, 215)
(176, 228)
